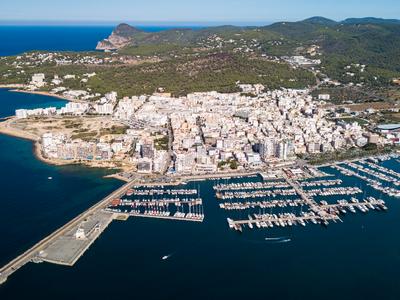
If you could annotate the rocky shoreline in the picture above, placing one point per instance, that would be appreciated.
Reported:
(121, 36)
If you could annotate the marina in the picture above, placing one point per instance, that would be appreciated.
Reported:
(189, 209)
(308, 205)
(321, 214)
(250, 203)
(250, 186)
(334, 191)
(373, 180)
(328, 182)
(256, 194)
(262, 204)
(159, 192)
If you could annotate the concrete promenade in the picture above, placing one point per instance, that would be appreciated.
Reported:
(32, 254)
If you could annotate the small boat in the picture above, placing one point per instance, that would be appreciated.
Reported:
(49, 178)
(239, 228)
(325, 223)
(165, 257)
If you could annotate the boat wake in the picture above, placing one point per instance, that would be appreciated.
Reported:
(278, 240)
(284, 241)
(165, 257)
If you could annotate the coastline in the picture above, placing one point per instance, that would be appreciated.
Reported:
(43, 93)
(12, 86)
(19, 88)
(7, 129)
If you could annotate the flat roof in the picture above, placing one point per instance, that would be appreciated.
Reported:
(388, 126)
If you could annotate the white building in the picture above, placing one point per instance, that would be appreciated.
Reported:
(21, 113)
(324, 97)
(104, 109)
(38, 80)
(74, 108)
(282, 151)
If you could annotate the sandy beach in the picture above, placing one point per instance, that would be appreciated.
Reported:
(6, 127)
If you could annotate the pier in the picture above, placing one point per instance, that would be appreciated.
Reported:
(279, 220)
(321, 215)
(48, 248)
(193, 218)
(68, 243)
(375, 184)
(262, 204)
(303, 195)
(183, 209)
(317, 212)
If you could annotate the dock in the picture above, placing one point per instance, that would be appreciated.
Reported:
(327, 212)
(282, 219)
(317, 212)
(61, 247)
(199, 218)
(67, 244)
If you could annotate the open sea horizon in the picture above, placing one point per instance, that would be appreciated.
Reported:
(16, 39)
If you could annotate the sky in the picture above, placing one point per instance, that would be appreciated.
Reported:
(190, 11)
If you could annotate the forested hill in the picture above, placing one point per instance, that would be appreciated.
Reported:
(360, 55)
(370, 41)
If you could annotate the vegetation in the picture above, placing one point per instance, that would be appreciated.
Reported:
(370, 147)
(150, 50)
(161, 143)
(180, 76)
(233, 164)
(352, 153)
(339, 95)
(184, 60)
(85, 136)
(72, 124)
(351, 120)
(114, 130)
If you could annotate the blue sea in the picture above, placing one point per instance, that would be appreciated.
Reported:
(18, 39)
(356, 259)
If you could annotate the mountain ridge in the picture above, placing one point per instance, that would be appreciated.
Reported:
(368, 41)
(125, 34)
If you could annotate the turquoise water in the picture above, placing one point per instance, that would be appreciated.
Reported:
(10, 101)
